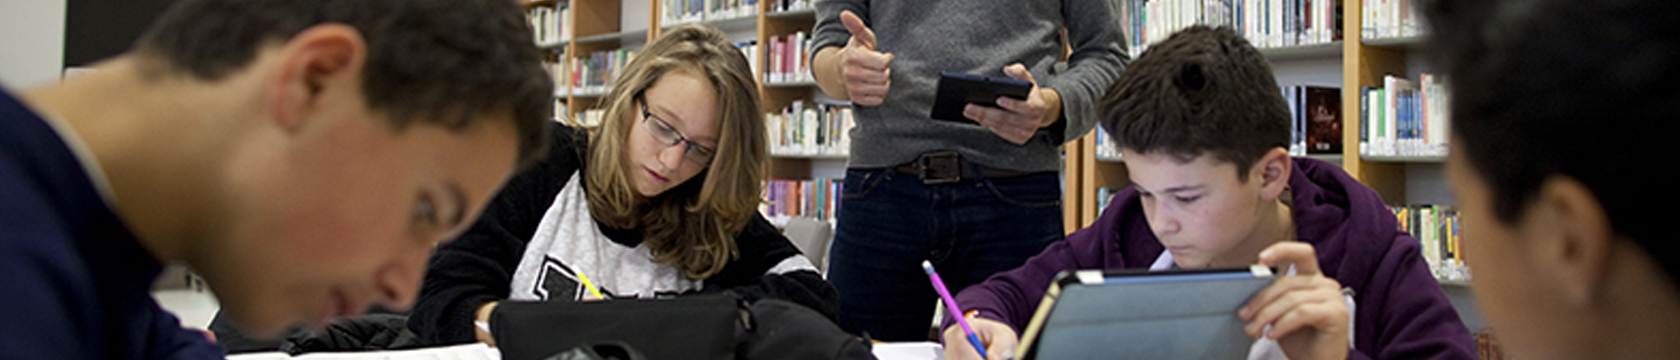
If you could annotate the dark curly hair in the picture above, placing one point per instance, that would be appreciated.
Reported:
(439, 61)
(1202, 91)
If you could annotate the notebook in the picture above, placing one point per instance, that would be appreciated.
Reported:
(1136, 314)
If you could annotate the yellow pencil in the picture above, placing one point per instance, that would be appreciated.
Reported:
(591, 286)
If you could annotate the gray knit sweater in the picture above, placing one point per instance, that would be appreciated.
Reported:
(977, 37)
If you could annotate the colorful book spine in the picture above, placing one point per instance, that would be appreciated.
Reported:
(1389, 19)
(1406, 118)
(817, 198)
(549, 24)
(801, 130)
(1266, 23)
(1436, 228)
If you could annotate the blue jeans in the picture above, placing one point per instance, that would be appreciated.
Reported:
(890, 222)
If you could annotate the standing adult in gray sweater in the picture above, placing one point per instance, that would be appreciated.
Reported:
(974, 198)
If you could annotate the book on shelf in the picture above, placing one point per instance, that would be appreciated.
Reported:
(588, 117)
(816, 129)
(559, 69)
(1265, 23)
(560, 109)
(1104, 196)
(787, 59)
(789, 5)
(558, 72)
(1436, 227)
(1107, 150)
(1487, 346)
(817, 198)
(749, 49)
(1315, 119)
(549, 23)
(594, 74)
(677, 12)
(1405, 118)
(1389, 19)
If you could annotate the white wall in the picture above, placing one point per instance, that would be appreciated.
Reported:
(31, 42)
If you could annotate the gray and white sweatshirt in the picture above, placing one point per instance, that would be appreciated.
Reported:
(536, 236)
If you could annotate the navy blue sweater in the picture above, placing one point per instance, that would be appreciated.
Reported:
(74, 280)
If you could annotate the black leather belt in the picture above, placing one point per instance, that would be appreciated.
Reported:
(946, 167)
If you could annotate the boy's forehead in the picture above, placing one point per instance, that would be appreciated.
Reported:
(1158, 171)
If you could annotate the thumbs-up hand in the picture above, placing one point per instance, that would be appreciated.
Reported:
(865, 70)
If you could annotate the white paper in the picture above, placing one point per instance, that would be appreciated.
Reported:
(474, 351)
(909, 351)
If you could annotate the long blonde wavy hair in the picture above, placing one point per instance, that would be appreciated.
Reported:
(693, 225)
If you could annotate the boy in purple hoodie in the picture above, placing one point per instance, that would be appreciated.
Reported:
(1203, 129)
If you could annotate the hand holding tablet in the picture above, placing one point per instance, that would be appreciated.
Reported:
(957, 90)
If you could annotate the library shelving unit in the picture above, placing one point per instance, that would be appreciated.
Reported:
(1400, 179)
(593, 26)
(774, 22)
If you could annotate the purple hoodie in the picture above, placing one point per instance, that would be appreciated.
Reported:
(1401, 312)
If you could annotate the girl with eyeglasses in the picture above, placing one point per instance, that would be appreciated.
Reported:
(659, 199)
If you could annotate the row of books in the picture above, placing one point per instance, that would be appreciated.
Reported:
(595, 74)
(1315, 119)
(818, 198)
(822, 129)
(1437, 228)
(789, 5)
(548, 23)
(1405, 118)
(1266, 23)
(590, 117)
(1106, 149)
(788, 59)
(677, 12)
(559, 71)
(1315, 123)
(1389, 19)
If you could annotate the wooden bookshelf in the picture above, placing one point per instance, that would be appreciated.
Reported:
(777, 95)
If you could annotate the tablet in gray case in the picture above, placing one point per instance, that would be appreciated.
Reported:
(1096, 314)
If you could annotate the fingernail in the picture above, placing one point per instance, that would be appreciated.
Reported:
(1243, 313)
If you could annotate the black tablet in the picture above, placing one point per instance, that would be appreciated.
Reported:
(957, 90)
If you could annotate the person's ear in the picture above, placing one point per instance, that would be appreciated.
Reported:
(1572, 237)
(314, 60)
(1272, 171)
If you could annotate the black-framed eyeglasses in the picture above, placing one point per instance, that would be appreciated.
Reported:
(668, 135)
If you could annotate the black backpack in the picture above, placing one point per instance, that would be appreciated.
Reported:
(710, 326)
